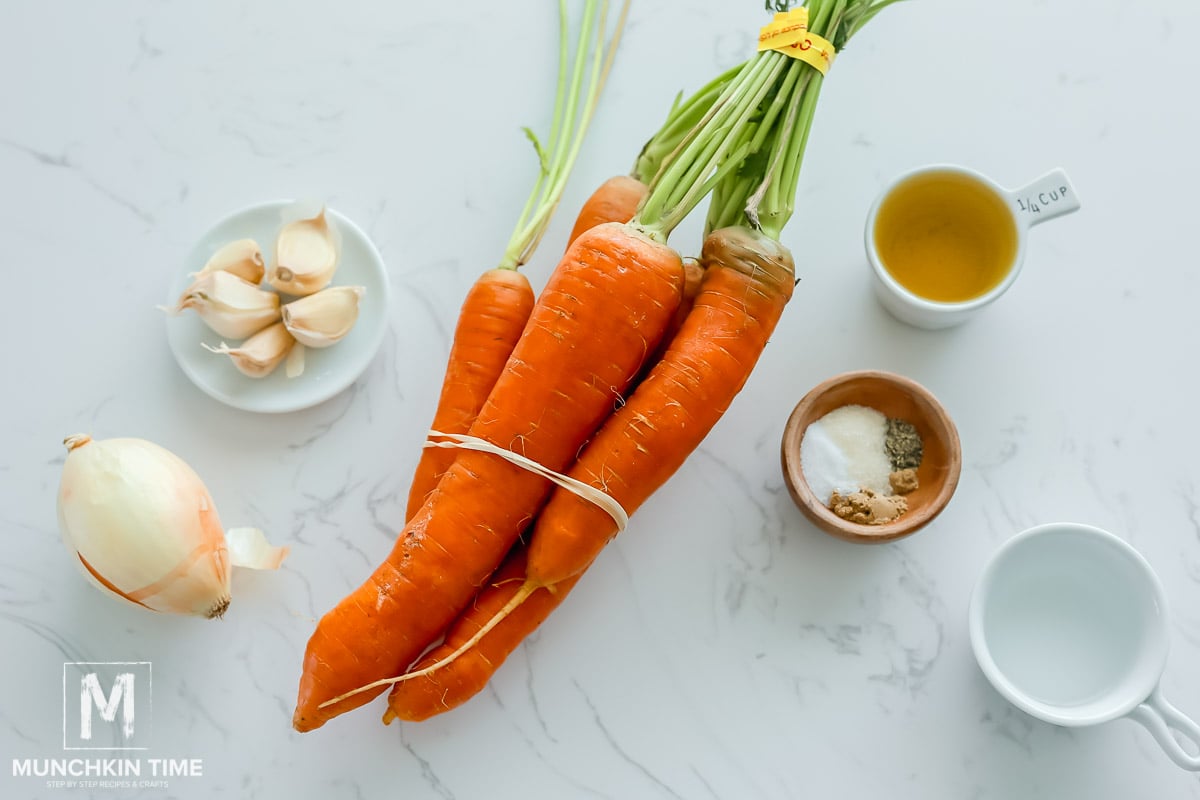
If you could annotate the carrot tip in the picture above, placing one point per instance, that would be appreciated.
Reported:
(305, 724)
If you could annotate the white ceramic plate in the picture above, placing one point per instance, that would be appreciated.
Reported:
(327, 371)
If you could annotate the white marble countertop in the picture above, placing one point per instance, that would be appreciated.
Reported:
(722, 647)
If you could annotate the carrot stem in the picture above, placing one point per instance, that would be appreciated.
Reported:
(763, 197)
(729, 196)
(555, 121)
(682, 184)
(574, 109)
(682, 118)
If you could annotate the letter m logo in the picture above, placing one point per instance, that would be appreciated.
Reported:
(92, 695)
(112, 706)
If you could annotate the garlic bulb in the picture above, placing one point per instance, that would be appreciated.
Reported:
(259, 355)
(232, 307)
(142, 527)
(242, 258)
(324, 318)
(306, 256)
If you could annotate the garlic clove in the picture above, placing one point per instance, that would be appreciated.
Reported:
(143, 526)
(324, 318)
(294, 365)
(258, 356)
(242, 258)
(306, 256)
(232, 307)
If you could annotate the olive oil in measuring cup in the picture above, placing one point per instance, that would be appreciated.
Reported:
(944, 241)
(946, 237)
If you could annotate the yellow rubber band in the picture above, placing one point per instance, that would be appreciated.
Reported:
(788, 33)
(590, 493)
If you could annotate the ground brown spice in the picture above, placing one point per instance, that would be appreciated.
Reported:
(867, 508)
(903, 481)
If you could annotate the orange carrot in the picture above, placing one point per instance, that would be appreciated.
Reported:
(615, 200)
(678, 186)
(609, 300)
(747, 282)
(490, 323)
(604, 308)
(704, 368)
(491, 320)
(498, 305)
(693, 274)
(752, 155)
(454, 684)
(470, 676)
(618, 198)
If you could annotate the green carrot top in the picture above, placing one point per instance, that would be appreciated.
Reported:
(748, 146)
(574, 106)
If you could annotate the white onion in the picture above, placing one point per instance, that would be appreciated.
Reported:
(142, 527)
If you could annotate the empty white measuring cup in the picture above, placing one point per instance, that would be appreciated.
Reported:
(1069, 623)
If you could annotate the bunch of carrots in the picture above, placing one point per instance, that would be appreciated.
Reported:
(529, 471)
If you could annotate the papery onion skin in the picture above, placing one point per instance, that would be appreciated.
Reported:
(142, 526)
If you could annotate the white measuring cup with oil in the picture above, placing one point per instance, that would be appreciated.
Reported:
(1069, 623)
(943, 241)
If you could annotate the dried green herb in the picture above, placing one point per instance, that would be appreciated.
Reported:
(903, 444)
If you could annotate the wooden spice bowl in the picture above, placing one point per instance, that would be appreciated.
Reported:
(895, 397)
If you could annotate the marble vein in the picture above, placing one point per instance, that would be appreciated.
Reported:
(65, 162)
(68, 649)
(199, 708)
(527, 647)
(616, 746)
(385, 495)
(343, 403)
(428, 774)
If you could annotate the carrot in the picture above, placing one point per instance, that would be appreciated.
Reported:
(618, 198)
(497, 306)
(455, 683)
(492, 318)
(747, 282)
(680, 187)
(603, 309)
(693, 274)
(610, 297)
(452, 685)
(615, 200)
(743, 293)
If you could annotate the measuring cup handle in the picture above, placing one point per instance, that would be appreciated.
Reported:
(1050, 196)
(1163, 721)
